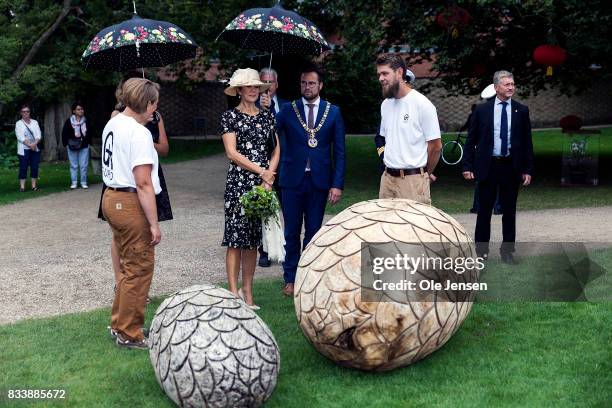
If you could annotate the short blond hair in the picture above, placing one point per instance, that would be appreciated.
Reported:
(137, 93)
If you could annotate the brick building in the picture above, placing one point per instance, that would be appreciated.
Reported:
(197, 112)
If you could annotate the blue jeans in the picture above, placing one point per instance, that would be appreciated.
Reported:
(29, 159)
(78, 158)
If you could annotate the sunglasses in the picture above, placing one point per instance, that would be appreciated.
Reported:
(25, 111)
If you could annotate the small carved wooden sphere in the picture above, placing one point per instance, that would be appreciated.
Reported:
(208, 349)
(376, 336)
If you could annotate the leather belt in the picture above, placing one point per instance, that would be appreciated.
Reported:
(503, 158)
(405, 172)
(123, 189)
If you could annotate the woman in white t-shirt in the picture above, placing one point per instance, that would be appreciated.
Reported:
(28, 136)
(130, 172)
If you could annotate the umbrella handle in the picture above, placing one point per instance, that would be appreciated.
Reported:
(134, 3)
(270, 65)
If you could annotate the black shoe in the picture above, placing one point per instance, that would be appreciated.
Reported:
(508, 258)
(264, 262)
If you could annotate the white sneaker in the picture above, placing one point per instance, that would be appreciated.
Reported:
(84, 186)
(73, 186)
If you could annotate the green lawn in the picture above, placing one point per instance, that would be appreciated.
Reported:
(55, 176)
(505, 354)
(453, 194)
(450, 193)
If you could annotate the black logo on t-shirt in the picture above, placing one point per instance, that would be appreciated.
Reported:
(107, 156)
(406, 117)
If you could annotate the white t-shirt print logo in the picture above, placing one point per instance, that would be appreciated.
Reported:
(406, 117)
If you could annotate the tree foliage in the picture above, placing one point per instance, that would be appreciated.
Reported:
(504, 34)
(56, 71)
(500, 34)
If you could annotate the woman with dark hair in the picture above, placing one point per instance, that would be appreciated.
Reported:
(76, 139)
(28, 136)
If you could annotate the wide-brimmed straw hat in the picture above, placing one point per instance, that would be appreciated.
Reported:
(245, 77)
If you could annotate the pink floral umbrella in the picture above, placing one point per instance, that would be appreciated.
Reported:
(138, 43)
(275, 30)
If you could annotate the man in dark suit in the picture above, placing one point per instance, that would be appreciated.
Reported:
(499, 154)
(269, 100)
(311, 133)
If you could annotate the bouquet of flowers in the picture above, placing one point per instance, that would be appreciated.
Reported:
(262, 204)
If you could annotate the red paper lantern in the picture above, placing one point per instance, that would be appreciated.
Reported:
(570, 122)
(549, 55)
(479, 69)
(452, 18)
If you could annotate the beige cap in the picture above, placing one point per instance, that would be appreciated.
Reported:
(245, 77)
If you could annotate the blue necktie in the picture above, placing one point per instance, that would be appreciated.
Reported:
(503, 130)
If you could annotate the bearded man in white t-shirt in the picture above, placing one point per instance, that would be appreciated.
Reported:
(409, 125)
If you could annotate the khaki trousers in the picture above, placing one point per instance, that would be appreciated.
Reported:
(414, 187)
(131, 232)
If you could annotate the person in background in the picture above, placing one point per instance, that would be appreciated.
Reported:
(28, 136)
(487, 93)
(245, 131)
(77, 139)
(270, 100)
(499, 155)
(129, 170)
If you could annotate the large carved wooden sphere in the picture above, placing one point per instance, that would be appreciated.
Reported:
(208, 349)
(375, 335)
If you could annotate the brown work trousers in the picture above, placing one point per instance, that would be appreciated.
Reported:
(414, 187)
(132, 234)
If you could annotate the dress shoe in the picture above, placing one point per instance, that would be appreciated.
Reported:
(508, 258)
(264, 262)
(484, 256)
(288, 289)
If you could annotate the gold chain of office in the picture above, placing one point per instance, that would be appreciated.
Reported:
(312, 140)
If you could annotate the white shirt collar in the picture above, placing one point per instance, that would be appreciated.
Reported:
(316, 102)
(498, 101)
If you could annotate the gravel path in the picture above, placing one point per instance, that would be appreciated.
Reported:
(58, 260)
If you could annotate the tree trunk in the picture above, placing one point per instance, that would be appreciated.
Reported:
(39, 43)
(55, 116)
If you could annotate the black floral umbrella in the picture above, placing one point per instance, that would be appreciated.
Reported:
(275, 30)
(138, 43)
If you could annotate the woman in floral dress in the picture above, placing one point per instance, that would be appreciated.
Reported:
(246, 131)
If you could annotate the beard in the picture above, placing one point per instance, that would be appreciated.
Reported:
(310, 96)
(391, 91)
